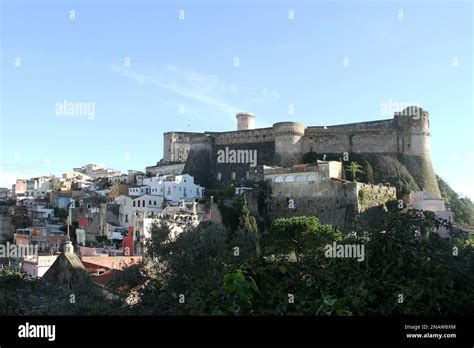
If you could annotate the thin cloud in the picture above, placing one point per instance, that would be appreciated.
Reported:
(186, 84)
(203, 88)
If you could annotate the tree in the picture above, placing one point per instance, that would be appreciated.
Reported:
(301, 236)
(463, 208)
(20, 217)
(310, 157)
(354, 168)
(246, 221)
(369, 173)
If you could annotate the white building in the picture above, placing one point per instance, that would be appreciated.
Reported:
(421, 200)
(138, 190)
(174, 187)
(119, 179)
(37, 266)
(147, 205)
(125, 210)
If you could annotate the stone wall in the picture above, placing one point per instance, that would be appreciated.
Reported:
(342, 205)
(265, 155)
(405, 136)
(370, 196)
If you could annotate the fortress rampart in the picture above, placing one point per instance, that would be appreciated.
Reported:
(405, 137)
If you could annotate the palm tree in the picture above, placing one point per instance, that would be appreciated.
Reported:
(354, 168)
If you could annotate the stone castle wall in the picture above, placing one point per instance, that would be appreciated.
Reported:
(343, 206)
(406, 136)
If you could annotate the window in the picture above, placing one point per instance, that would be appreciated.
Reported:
(138, 203)
(232, 176)
(133, 203)
(219, 176)
(311, 178)
(278, 179)
(149, 203)
(154, 202)
(290, 178)
(300, 178)
(143, 203)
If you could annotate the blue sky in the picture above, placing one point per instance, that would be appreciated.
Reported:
(395, 52)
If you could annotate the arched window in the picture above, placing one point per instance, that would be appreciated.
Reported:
(300, 178)
(290, 178)
(278, 179)
(311, 178)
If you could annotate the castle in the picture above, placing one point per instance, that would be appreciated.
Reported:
(405, 137)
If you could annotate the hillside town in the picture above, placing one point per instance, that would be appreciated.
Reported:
(103, 216)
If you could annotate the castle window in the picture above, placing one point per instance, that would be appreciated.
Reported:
(290, 178)
(311, 178)
(278, 179)
(232, 176)
(219, 176)
(300, 178)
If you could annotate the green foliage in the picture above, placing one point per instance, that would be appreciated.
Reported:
(60, 213)
(244, 287)
(22, 296)
(246, 221)
(310, 157)
(354, 168)
(369, 173)
(298, 236)
(463, 208)
(402, 256)
(20, 217)
(199, 272)
(230, 215)
(362, 196)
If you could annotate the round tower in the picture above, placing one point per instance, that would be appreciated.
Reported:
(288, 143)
(414, 126)
(414, 144)
(245, 121)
